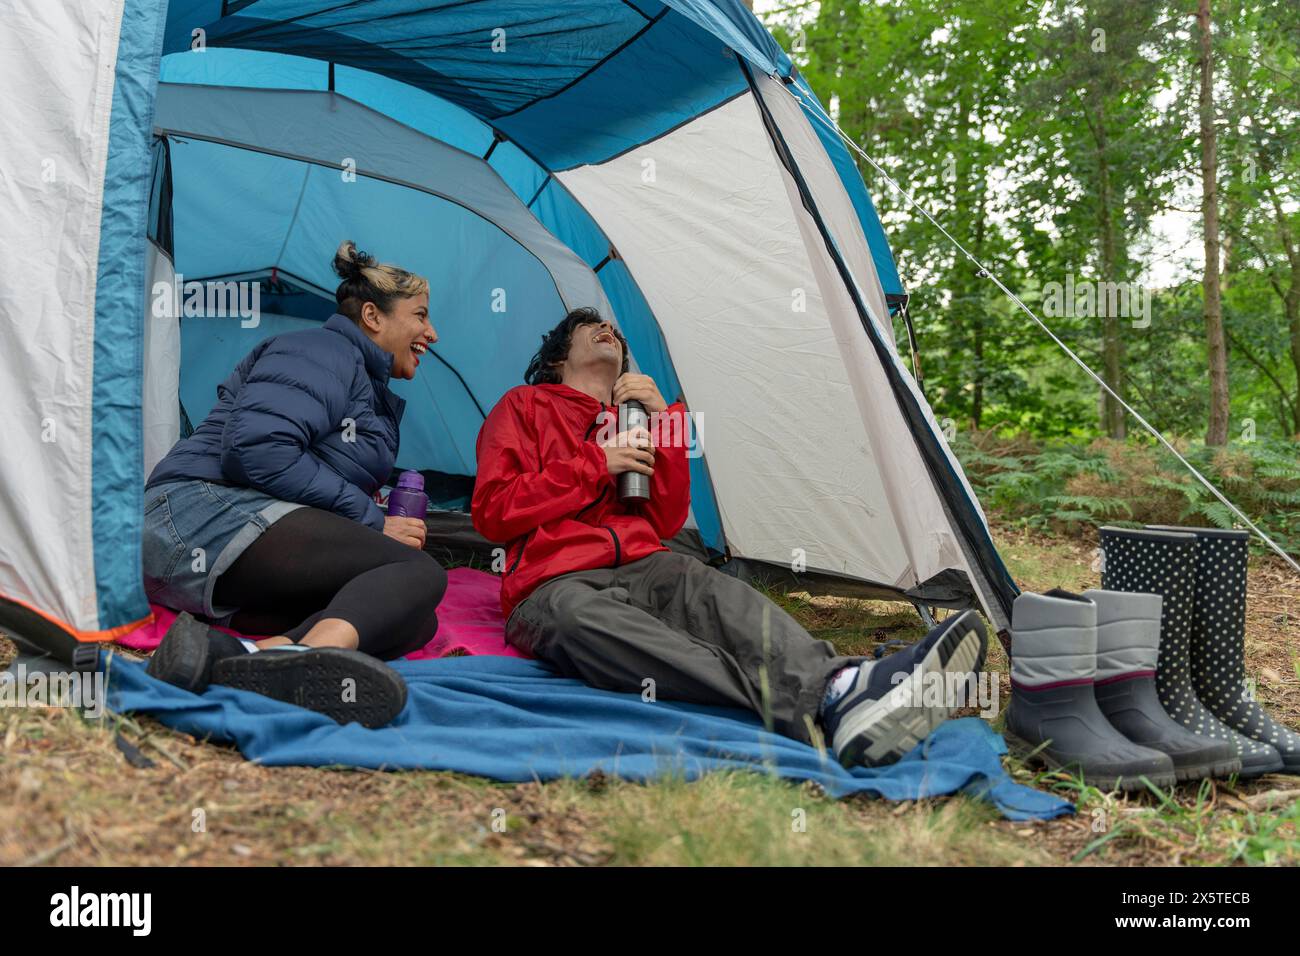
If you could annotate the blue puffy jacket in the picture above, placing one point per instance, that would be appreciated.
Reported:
(306, 417)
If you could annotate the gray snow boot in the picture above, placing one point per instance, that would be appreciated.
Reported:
(1053, 666)
(1163, 562)
(1128, 645)
(1219, 643)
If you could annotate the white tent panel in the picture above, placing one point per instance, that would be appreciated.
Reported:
(162, 359)
(832, 199)
(56, 67)
(927, 532)
(703, 221)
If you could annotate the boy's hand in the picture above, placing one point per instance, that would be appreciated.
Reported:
(631, 450)
(634, 387)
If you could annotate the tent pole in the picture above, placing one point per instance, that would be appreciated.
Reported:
(927, 614)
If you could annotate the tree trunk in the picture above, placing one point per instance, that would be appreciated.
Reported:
(1216, 432)
(963, 314)
(980, 314)
(1112, 412)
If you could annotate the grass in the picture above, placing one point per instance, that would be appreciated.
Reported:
(69, 796)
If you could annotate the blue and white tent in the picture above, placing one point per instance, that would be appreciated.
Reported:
(661, 161)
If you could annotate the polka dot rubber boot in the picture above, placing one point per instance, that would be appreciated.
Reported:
(1164, 562)
(1219, 643)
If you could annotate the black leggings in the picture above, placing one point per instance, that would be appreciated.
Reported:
(314, 564)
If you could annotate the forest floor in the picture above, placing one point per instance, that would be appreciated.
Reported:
(68, 795)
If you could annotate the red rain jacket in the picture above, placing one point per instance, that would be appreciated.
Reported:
(544, 489)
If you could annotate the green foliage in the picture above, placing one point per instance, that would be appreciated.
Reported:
(1071, 488)
(1061, 139)
(1029, 486)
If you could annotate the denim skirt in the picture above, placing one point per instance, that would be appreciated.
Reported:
(193, 531)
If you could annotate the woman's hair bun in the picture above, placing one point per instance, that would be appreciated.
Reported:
(349, 261)
(365, 280)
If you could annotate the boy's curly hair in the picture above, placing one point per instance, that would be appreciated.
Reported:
(555, 347)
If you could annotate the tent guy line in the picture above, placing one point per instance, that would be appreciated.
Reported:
(986, 273)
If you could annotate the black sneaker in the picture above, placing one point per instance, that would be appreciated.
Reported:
(881, 717)
(343, 685)
(188, 651)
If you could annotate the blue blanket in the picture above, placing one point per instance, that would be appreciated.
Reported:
(513, 720)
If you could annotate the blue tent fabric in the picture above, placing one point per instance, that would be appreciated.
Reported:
(119, 313)
(513, 720)
(491, 60)
(614, 109)
(565, 81)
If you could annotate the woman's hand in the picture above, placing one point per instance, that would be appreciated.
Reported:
(409, 531)
(632, 387)
(631, 450)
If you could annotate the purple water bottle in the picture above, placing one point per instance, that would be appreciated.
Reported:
(408, 499)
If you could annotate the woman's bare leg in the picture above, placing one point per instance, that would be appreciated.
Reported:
(328, 632)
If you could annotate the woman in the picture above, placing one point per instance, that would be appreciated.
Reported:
(264, 520)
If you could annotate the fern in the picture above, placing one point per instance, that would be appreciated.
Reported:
(1063, 486)
(1214, 512)
(1280, 497)
(1069, 517)
(1091, 505)
(1169, 484)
